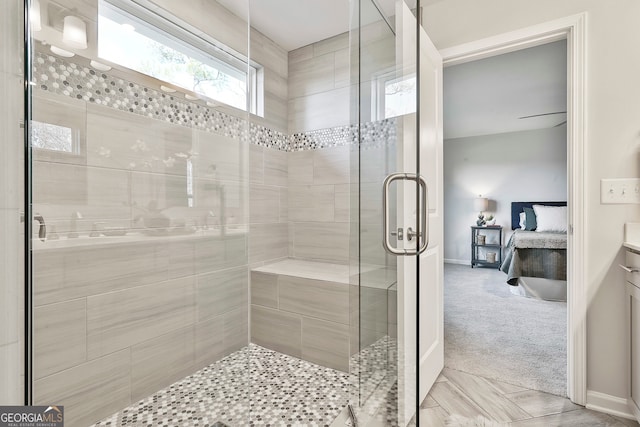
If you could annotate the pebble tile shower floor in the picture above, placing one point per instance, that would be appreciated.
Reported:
(280, 390)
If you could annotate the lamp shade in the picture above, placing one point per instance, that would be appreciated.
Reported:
(74, 32)
(480, 204)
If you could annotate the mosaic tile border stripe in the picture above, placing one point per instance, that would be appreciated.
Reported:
(63, 77)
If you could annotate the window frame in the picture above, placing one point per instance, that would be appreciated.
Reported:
(151, 21)
(378, 93)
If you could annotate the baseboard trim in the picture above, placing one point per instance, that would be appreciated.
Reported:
(608, 404)
(457, 261)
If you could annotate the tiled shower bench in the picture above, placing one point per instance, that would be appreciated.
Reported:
(301, 308)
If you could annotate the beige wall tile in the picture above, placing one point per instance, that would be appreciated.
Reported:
(314, 298)
(11, 155)
(11, 276)
(311, 203)
(222, 291)
(371, 202)
(11, 374)
(60, 337)
(59, 183)
(89, 392)
(109, 187)
(311, 76)
(275, 167)
(284, 204)
(301, 54)
(268, 241)
(330, 109)
(264, 204)
(11, 37)
(182, 257)
(276, 330)
(264, 289)
(219, 157)
(256, 164)
(212, 194)
(376, 163)
(236, 329)
(392, 313)
(74, 273)
(276, 86)
(376, 56)
(374, 309)
(267, 53)
(121, 140)
(218, 253)
(161, 361)
(300, 167)
(331, 165)
(290, 246)
(321, 241)
(121, 319)
(325, 343)
(332, 44)
(342, 76)
(372, 251)
(209, 345)
(342, 203)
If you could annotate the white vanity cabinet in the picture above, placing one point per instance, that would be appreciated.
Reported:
(633, 330)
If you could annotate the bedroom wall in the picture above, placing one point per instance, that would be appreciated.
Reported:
(508, 167)
(612, 145)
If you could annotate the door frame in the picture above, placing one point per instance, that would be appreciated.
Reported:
(573, 29)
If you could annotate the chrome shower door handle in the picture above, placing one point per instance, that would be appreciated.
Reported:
(422, 215)
(386, 241)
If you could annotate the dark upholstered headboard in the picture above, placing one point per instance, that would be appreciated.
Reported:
(517, 207)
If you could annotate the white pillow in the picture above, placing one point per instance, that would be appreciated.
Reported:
(551, 218)
(523, 219)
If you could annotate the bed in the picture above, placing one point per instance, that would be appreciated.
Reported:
(538, 252)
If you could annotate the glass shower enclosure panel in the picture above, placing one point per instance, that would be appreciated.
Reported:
(383, 216)
(140, 278)
(12, 223)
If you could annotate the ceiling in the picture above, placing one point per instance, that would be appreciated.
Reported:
(482, 97)
(296, 23)
(488, 96)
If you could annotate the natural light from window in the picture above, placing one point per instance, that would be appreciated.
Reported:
(143, 47)
(399, 97)
(47, 136)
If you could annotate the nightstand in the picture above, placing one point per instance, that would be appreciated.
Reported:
(479, 239)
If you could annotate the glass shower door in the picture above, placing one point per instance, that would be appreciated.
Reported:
(396, 263)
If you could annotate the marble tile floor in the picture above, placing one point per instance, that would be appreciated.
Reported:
(462, 399)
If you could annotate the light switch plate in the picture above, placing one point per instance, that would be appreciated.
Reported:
(620, 191)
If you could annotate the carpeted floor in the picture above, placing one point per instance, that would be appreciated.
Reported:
(494, 334)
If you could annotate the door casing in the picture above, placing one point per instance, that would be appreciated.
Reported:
(573, 29)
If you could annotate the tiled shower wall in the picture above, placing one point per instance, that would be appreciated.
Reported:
(193, 290)
(11, 204)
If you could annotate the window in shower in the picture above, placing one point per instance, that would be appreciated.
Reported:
(394, 96)
(141, 40)
(47, 136)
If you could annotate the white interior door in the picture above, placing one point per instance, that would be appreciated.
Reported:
(420, 277)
